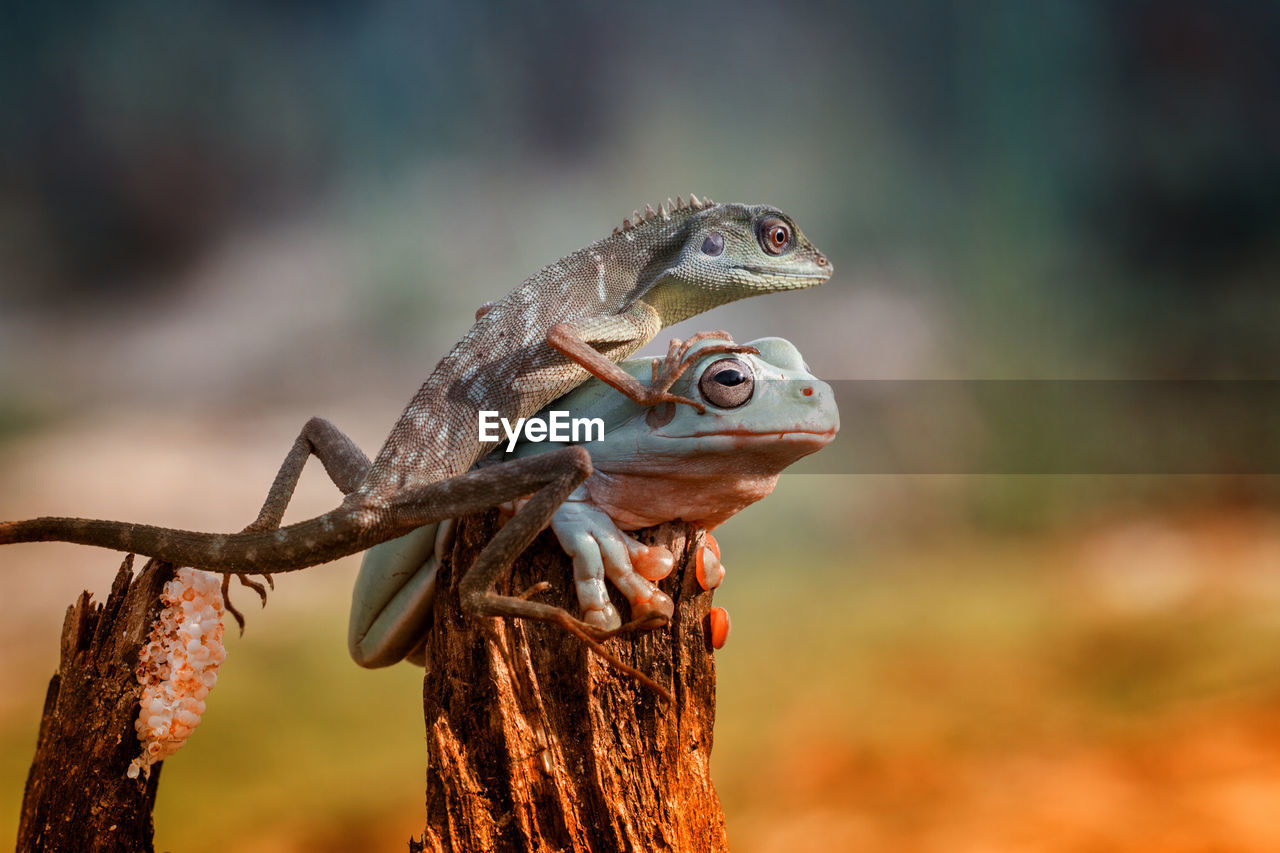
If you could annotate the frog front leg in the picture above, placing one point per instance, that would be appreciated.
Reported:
(599, 550)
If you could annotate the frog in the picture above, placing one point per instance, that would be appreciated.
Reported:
(761, 411)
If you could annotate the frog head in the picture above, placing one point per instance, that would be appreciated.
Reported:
(766, 410)
(669, 462)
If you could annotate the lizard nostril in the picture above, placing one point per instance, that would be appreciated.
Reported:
(822, 260)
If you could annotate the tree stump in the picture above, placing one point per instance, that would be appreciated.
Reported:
(77, 796)
(536, 744)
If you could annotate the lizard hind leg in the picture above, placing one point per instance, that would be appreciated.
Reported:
(344, 462)
(634, 576)
(571, 466)
(478, 597)
(600, 549)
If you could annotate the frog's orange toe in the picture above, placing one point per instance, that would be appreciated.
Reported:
(653, 562)
(718, 621)
(707, 565)
(655, 612)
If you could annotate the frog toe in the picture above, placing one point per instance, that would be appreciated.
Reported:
(605, 618)
(707, 567)
(653, 613)
(718, 625)
(653, 562)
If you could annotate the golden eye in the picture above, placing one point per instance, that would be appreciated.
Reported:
(774, 235)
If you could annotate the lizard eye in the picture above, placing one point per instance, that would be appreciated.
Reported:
(774, 235)
(714, 244)
(727, 383)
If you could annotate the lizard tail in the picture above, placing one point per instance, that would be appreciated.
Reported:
(307, 543)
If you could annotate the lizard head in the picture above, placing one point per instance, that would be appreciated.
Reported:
(718, 253)
(752, 248)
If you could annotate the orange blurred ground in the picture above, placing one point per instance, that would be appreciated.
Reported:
(1110, 685)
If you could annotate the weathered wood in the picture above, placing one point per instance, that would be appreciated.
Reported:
(77, 796)
(536, 744)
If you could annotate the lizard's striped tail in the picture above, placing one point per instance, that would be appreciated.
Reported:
(307, 543)
(358, 523)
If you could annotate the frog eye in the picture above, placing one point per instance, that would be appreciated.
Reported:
(774, 234)
(727, 383)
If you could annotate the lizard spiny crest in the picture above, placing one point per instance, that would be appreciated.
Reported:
(664, 212)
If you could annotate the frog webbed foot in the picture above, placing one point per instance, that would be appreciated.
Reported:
(599, 549)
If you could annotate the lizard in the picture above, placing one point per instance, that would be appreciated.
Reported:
(576, 317)
(651, 465)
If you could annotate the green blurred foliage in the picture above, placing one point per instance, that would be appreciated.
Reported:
(1093, 188)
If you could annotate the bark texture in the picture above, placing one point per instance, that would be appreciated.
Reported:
(536, 744)
(77, 796)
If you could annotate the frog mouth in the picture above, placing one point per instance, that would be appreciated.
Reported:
(781, 434)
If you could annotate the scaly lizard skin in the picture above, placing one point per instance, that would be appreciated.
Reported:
(574, 318)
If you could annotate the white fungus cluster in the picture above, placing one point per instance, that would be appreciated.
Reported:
(179, 665)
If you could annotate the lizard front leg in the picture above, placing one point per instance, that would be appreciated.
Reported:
(393, 597)
(596, 343)
(667, 370)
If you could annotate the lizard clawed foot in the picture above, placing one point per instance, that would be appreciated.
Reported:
(260, 589)
(666, 371)
(593, 637)
(653, 613)
(534, 589)
(600, 619)
(648, 616)
(600, 550)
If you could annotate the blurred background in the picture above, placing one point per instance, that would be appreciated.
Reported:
(217, 219)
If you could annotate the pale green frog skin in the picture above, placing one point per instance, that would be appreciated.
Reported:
(655, 464)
